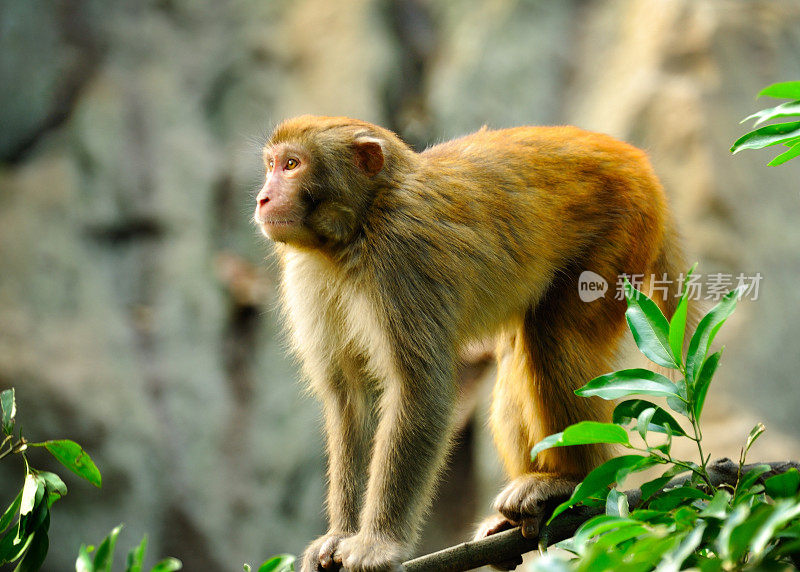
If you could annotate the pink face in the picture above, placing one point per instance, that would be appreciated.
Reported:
(279, 208)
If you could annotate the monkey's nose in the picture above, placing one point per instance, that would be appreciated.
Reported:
(262, 201)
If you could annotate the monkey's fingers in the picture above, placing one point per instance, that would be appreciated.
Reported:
(328, 559)
(531, 525)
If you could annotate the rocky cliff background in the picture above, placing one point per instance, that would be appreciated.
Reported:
(137, 302)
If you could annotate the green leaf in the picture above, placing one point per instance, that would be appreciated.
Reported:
(756, 432)
(673, 498)
(767, 136)
(782, 90)
(783, 110)
(29, 491)
(631, 409)
(610, 540)
(8, 405)
(679, 403)
(677, 325)
(749, 479)
(643, 422)
(743, 533)
(583, 433)
(649, 327)
(706, 331)
(280, 563)
(782, 485)
(104, 557)
(167, 565)
(617, 504)
(789, 548)
(36, 553)
(673, 560)
(647, 551)
(136, 556)
(553, 440)
(719, 506)
(783, 511)
(599, 525)
(794, 151)
(73, 457)
(39, 516)
(703, 381)
(11, 512)
(628, 382)
(84, 561)
(11, 548)
(56, 488)
(596, 482)
(652, 487)
(723, 542)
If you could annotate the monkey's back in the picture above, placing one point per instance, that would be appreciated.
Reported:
(537, 200)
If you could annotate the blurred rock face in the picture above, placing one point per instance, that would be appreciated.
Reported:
(138, 304)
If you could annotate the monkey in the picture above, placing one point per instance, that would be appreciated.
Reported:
(392, 259)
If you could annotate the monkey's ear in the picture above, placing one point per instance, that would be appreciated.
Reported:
(369, 155)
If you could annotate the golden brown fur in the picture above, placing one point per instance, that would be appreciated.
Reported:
(393, 259)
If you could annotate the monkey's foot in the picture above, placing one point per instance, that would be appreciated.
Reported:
(319, 556)
(529, 499)
(492, 525)
(363, 553)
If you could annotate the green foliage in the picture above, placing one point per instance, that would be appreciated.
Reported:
(687, 523)
(280, 563)
(103, 559)
(25, 523)
(786, 133)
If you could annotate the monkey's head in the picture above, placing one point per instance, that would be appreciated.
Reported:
(322, 174)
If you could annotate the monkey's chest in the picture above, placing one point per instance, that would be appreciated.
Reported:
(365, 330)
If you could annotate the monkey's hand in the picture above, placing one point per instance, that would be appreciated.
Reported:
(319, 556)
(368, 553)
(529, 499)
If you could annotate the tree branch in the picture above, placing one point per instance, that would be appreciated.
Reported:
(507, 545)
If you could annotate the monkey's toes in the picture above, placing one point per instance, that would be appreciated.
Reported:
(492, 525)
(528, 499)
(327, 553)
(362, 553)
(320, 556)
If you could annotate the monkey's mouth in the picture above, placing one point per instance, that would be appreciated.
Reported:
(280, 229)
(279, 222)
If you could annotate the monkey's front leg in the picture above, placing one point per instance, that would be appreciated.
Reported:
(409, 449)
(347, 426)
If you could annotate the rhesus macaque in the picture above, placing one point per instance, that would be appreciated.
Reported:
(393, 259)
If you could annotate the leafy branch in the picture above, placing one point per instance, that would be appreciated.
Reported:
(25, 523)
(785, 133)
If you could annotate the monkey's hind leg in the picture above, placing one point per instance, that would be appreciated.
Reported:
(554, 350)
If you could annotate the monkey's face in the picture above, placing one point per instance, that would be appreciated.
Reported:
(282, 204)
(318, 186)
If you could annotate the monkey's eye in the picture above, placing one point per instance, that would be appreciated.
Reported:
(292, 164)
(270, 164)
